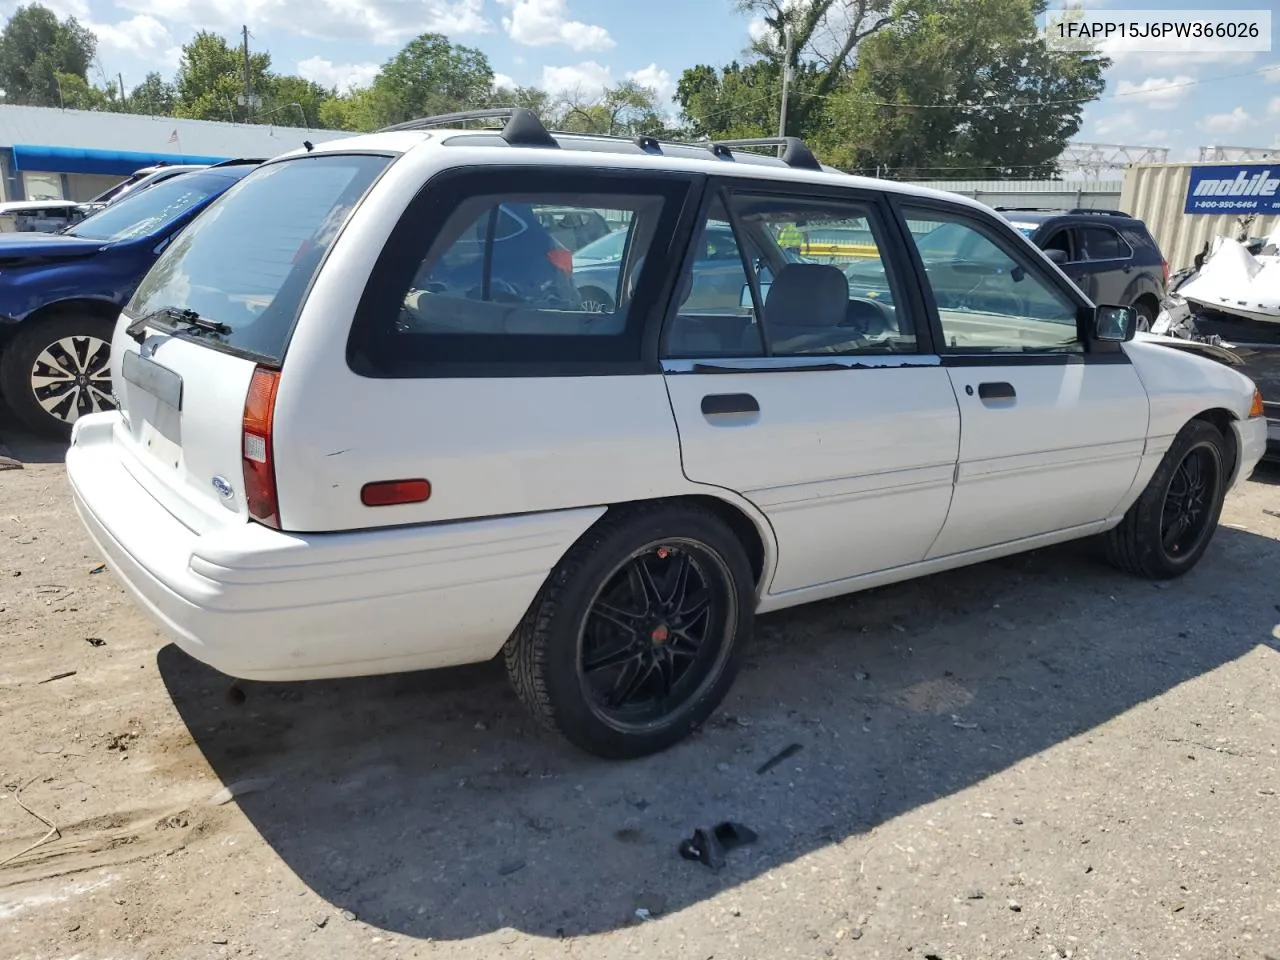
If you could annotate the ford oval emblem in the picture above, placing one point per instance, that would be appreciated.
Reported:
(224, 488)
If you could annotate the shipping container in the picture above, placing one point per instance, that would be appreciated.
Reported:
(1157, 193)
(1049, 194)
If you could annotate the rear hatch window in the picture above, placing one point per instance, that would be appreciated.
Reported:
(245, 264)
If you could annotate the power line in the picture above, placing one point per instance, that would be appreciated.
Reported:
(1015, 104)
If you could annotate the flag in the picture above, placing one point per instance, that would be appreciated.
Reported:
(173, 137)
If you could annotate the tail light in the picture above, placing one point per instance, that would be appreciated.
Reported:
(562, 259)
(1164, 266)
(259, 468)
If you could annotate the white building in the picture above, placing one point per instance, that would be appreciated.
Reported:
(51, 154)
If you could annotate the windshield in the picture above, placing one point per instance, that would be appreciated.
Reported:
(248, 259)
(140, 214)
(606, 248)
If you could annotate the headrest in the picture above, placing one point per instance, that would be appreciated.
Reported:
(807, 295)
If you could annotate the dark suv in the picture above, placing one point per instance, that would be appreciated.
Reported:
(1110, 255)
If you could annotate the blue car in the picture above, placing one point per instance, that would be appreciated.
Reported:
(60, 294)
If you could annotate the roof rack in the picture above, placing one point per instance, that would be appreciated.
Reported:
(1101, 213)
(236, 162)
(522, 129)
(797, 153)
(1029, 209)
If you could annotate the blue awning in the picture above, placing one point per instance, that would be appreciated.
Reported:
(106, 162)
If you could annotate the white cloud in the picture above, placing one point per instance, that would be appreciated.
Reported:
(1159, 93)
(344, 76)
(1273, 108)
(540, 23)
(587, 79)
(502, 81)
(375, 21)
(1233, 122)
(142, 36)
(1115, 123)
(62, 8)
(656, 79)
(757, 29)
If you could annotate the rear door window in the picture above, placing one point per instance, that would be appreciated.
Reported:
(248, 260)
(1102, 243)
(493, 285)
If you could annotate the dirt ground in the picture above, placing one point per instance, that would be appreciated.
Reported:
(1035, 757)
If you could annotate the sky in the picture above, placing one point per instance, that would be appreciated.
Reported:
(1178, 100)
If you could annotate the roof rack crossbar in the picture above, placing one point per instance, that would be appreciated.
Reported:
(522, 129)
(796, 153)
(1099, 211)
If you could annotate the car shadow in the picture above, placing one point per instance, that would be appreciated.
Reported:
(20, 444)
(429, 804)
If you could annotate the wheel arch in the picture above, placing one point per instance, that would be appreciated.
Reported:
(1222, 419)
(747, 524)
(100, 307)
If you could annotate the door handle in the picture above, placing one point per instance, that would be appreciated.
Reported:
(996, 391)
(719, 404)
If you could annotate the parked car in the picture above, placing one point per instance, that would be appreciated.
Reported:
(139, 180)
(38, 216)
(60, 295)
(1109, 254)
(322, 466)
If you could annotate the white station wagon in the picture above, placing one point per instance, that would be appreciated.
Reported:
(368, 422)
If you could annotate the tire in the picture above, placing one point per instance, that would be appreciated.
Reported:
(602, 302)
(1146, 315)
(584, 631)
(1139, 544)
(56, 370)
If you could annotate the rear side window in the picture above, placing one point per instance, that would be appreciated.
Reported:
(248, 260)
(140, 214)
(1102, 243)
(482, 275)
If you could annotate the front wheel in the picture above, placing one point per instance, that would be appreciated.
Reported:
(1167, 530)
(637, 634)
(56, 370)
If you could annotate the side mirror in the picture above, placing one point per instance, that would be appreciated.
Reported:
(1057, 256)
(1114, 324)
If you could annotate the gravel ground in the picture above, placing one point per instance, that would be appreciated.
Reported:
(1035, 757)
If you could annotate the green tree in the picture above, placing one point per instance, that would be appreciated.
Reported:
(961, 88)
(739, 100)
(431, 76)
(210, 82)
(295, 101)
(79, 94)
(35, 47)
(154, 96)
(625, 110)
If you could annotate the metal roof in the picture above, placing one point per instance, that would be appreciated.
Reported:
(96, 130)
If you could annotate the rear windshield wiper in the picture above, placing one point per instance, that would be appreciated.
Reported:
(169, 318)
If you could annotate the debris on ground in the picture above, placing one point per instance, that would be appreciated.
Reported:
(790, 750)
(510, 867)
(59, 676)
(98, 569)
(709, 847)
(240, 788)
(95, 641)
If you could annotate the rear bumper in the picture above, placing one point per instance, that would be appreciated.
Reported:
(264, 605)
(1251, 441)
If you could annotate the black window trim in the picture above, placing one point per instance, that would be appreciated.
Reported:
(899, 273)
(1007, 238)
(436, 200)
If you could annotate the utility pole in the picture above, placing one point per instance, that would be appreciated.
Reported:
(120, 80)
(248, 79)
(786, 84)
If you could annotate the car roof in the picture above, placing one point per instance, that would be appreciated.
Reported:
(733, 158)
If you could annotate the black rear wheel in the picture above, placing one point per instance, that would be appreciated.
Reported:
(636, 636)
